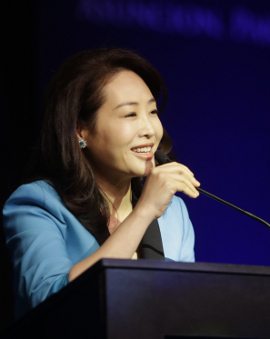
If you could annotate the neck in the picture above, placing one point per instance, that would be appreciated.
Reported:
(118, 195)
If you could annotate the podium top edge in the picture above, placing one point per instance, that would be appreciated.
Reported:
(164, 265)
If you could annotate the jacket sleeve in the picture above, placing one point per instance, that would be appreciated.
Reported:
(177, 232)
(187, 253)
(35, 236)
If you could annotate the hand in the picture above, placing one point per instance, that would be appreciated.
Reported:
(162, 183)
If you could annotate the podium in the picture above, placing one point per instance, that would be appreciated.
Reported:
(154, 299)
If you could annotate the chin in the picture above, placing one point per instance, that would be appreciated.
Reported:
(143, 170)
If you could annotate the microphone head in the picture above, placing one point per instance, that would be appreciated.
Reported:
(161, 158)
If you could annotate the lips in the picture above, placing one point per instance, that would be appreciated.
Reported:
(144, 148)
(143, 151)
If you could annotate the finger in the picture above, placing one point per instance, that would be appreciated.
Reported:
(176, 167)
(188, 176)
(190, 191)
(182, 178)
(185, 175)
(185, 171)
(195, 182)
(185, 185)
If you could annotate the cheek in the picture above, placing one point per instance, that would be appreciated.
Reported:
(124, 134)
(159, 130)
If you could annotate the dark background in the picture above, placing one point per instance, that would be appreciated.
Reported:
(215, 59)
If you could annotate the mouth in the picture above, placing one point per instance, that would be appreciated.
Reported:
(143, 151)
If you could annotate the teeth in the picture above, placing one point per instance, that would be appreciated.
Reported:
(142, 149)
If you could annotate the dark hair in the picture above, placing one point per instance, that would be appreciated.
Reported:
(74, 96)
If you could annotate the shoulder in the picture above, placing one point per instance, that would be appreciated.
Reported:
(39, 189)
(37, 195)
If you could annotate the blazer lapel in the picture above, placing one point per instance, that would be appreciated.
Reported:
(151, 245)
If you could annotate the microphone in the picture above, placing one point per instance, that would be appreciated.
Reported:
(163, 159)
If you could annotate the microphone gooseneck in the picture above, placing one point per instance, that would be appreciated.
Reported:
(162, 159)
(213, 196)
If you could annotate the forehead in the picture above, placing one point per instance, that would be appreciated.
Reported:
(126, 85)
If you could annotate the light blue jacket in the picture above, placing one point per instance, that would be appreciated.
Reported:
(45, 240)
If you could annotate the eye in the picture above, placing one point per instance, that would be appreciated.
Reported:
(131, 114)
(154, 111)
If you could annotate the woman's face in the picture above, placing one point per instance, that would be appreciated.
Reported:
(127, 130)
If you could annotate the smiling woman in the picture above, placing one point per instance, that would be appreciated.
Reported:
(97, 185)
(127, 130)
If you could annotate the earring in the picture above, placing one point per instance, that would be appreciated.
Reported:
(82, 143)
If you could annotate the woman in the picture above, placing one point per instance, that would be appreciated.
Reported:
(97, 185)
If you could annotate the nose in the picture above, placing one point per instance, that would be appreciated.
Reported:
(146, 127)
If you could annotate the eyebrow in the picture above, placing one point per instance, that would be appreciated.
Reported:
(130, 103)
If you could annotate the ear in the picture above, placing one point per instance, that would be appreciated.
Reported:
(82, 131)
(82, 135)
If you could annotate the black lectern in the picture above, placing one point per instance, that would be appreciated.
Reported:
(153, 299)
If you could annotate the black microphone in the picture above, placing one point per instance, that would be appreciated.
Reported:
(163, 159)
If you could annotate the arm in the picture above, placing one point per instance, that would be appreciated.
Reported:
(122, 243)
(161, 185)
(35, 233)
(35, 236)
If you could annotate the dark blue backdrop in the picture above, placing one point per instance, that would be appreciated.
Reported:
(215, 58)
